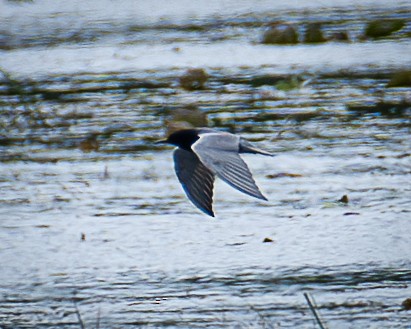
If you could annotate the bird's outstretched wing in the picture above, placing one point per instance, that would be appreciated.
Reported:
(219, 153)
(196, 179)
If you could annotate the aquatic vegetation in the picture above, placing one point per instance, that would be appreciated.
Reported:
(383, 27)
(400, 79)
(193, 79)
(314, 34)
(280, 33)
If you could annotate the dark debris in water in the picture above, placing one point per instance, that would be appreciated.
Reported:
(90, 143)
(255, 80)
(283, 174)
(193, 79)
(400, 79)
(385, 108)
(344, 199)
(352, 305)
(280, 33)
(406, 304)
(184, 117)
(44, 226)
(314, 33)
(383, 27)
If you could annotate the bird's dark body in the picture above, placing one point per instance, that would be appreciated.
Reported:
(184, 138)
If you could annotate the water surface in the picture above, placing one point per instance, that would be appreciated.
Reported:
(110, 231)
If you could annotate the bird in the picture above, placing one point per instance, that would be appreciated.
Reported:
(204, 153)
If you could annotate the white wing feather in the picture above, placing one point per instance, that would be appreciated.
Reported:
(219, 153)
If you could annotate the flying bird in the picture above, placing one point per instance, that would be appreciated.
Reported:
(204, 153)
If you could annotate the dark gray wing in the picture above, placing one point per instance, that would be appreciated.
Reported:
(219, 153)
(196, 179)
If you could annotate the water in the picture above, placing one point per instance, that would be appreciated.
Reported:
(110, 232)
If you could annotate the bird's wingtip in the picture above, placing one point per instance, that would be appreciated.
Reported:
(211, 213)
(208, 212)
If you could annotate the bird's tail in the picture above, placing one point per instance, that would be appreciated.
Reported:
(247, 147)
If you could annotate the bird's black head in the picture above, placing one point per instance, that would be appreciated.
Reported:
(183, 138)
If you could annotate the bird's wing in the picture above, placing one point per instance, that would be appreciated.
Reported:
(219, 153)
(196, 179)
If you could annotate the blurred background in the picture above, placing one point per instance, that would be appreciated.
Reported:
(95, 229)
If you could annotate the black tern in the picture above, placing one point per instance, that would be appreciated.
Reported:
(204, 153)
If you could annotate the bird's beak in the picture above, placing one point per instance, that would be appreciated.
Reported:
(161, 141)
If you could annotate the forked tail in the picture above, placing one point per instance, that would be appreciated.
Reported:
(247, 147)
